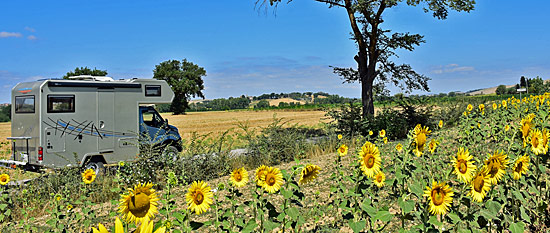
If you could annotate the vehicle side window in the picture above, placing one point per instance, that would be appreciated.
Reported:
(24, 104)
(60, 103)
(152, 90)
(152, 118)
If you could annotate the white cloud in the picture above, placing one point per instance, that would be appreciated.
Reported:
(30, 29)
(31, 37)
(452, 68)
(10, 34)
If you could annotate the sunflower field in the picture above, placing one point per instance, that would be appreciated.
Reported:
(487, 174)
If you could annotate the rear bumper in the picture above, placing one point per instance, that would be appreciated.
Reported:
(13, 164)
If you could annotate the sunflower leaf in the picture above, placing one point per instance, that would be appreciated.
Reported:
(518, 195)
(433, 220)
(196, 225)
(269, 225)
(357, 226)
(517, 227)
(250, 226)
(524, 215)
(293, 213)
(493, 207)
(384, 216)
(454, 217)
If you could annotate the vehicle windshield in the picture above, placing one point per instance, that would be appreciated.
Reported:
(152, 118)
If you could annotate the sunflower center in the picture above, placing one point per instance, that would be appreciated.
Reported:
(238, 177)
(535, 141)
(342, 150)
(494, 165)
(438, 196)
(3, 179)
(518, 167)
(139, 205)
(89, 177)
(478, 183)
(270, 180)
(369, 161)
(462, 168)
(379, 179)
(421, 140)
(198, 198)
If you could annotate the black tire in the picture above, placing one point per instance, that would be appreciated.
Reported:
(171, 152)
(98, 167)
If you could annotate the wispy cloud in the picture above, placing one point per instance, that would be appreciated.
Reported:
(32, 37)
(30, 29)
(452, 68)
(10, 34)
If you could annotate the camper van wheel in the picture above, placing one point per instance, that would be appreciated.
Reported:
(98, 167)
(171, 152)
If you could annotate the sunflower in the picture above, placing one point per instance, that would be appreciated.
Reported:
(118, 227)
(88, 176)
(69, 207)
(370, 132)
(239, 177)
(463, 166)
(420, 136)
(496, 165)
(537, 142)
(260, 175)
(273, 180)
(57, 197)
(440, 124)
(440, 196)
(145, 227)
(480, 185)
(521, 166)
(469, 108)
(399, 147)
(506, 127)
(382, 133)
(370, 159)
(545, 136)
(343, 150)
(379, 179)
(339, 136)
(432, 145)
(504, 104)
(495, 106)
(4, 179)
(526, 127)
(140, 203)
(482, 108)
(199, 197)
(385, 140)
(309, 173)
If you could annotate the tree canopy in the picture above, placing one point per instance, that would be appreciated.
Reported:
(185, 78)
(85, 71)
(377, 46)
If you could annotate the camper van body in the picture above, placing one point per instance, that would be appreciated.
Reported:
(86, 120)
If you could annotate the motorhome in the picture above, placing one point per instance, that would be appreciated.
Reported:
(87, 121)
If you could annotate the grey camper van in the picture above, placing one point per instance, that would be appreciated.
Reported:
(87, 121)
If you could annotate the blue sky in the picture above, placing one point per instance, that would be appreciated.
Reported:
(245, 51)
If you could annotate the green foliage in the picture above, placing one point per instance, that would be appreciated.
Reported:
(5, 113)
(185, 78)
(501, 90)
(537, 86)
(262, 104)
(85, 71)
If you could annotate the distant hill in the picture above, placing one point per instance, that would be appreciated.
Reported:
(492, 90)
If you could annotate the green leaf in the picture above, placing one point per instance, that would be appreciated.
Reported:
(3, 206)
(250, 226)
(417, 189)
(433, 220)
(383, 215)
(454, 217)
(357, 226)
(493, 207)
(293, 213)
(542, 168)
(407, 206)
(524, 215)
(518, 195)
(269, 226)
(518, 227)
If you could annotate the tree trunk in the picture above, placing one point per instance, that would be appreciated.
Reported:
(366, 75)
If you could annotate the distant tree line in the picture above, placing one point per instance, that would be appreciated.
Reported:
(5, 113)
(292, 95)
(532, 86)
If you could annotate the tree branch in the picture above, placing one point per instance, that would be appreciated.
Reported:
(331, 3)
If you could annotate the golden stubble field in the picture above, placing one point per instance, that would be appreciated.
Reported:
(217, 122)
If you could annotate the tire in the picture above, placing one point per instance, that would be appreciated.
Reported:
(98, 167)
(171, 152)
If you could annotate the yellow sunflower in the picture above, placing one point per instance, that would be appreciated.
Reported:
(440, 196)
(343, 150)
(88, 176)
(420, 136)
(145, 227)
(482, 108)
(370, 133)
(526, 127)
(399, 147)
(239, 177)
(260, 175)
(101, 229)
(463, 166)
(4, 179)
(385, 140)
(199, 197)
(339, 136)
(432, 145)
(504, 104)
(370, 159)
(140, 203)
(69, 207)
(495, 106)
(506, 127)
(382, 133)
(309, 173)
(496, 165)
(521, 166)
(273, 180)
(379, 179)
(545, 136)
(440, 124)
(470, 108)
(480, 185)
(537, 142)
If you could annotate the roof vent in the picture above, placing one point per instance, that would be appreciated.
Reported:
(92, 78)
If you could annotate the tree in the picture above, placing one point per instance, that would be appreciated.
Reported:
(85, 71)
(262, 104)
(522, 82)
(185, 78)
(376, 46)
(501, 90)
(536, 85)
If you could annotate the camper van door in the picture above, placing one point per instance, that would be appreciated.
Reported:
(106, 119)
